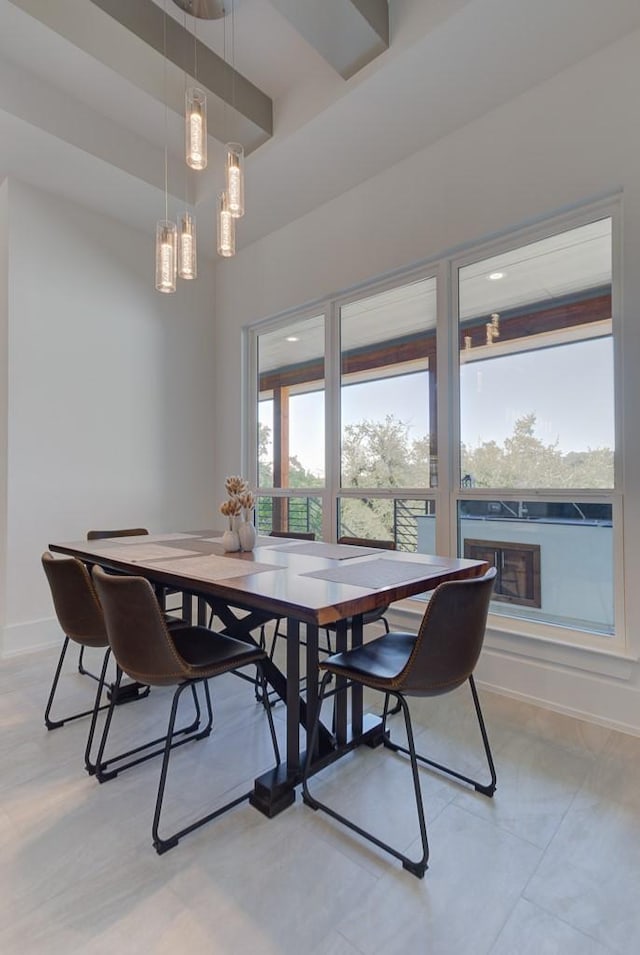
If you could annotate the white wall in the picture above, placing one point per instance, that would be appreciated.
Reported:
(574, 138)
(4, 311)
(109, 394)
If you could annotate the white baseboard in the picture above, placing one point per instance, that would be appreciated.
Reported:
(590, 697)
(578, 684)
(29, 637)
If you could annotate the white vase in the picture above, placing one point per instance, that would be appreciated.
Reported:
(247, 535)
(230, 541)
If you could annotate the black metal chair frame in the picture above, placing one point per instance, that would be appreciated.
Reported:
(53, 724)
(105, 770)
(416, 867)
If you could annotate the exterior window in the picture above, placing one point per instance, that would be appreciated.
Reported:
(505, 452)
(290, 440)
(537, 414)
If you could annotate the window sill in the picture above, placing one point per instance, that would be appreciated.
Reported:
(518, 638)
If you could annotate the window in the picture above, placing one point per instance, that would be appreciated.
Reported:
(479, 422)
(290, 438)
(536, 395)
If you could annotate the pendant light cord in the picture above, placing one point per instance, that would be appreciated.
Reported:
(166, 113)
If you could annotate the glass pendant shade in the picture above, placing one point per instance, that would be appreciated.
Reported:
(235, 179)
(187, 260)
(195, 127)
(166, 255)
(226, 228)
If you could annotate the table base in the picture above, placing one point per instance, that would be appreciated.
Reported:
(275, 790)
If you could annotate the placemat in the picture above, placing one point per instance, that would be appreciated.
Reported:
(147, 538)
(135, 552)
(320, 549)
(212, 567)
(373, 574)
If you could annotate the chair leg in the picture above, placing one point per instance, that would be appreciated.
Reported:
(163, 845)
(417, 868)
(487, 789)
(265, 696)
(105, 769)
(51, 724)
(263, 645)
(55, 724)
(88, 765)
(270, 698)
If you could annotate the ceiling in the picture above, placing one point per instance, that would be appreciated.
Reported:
(93, 127)
(560, 265)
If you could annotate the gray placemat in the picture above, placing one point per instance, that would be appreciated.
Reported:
(373, 574)
(333, 551)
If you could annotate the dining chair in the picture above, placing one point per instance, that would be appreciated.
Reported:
(440, 658)
(80, 616)
(136, 532)
(172, 620)
(186, 658)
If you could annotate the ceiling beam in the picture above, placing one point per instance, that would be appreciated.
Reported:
(347, 33)
(250, 111)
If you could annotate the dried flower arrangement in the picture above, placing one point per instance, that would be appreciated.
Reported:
(241, 499)
(231, 508)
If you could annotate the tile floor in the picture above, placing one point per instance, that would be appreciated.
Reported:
(550, 865)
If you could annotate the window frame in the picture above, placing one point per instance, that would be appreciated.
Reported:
(448, 492)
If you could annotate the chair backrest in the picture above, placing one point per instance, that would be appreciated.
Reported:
(75, 600)
(136, 629)
(368, 542)
(450, 637)
(121, 532)
(295, 535)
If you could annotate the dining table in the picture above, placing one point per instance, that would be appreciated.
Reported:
(309, 583)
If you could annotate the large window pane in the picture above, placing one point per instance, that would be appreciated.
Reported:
(388, 379)
(409, 524)
(554, 559)
(536, 364)
(291, 405)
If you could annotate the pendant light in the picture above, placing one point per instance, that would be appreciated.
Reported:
(226, 228)
(166, 247)
(195, 128)
(187, 260)
(235, 179)
(166, 231)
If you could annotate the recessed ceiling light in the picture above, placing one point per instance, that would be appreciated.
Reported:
(494, 276)
(292, 338)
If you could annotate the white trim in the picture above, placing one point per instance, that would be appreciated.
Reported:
(31, 636)
(588, 696)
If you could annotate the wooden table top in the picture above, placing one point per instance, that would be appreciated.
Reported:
(311, 581)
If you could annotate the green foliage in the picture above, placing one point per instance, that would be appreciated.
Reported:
(526, 462)
(380, 454)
